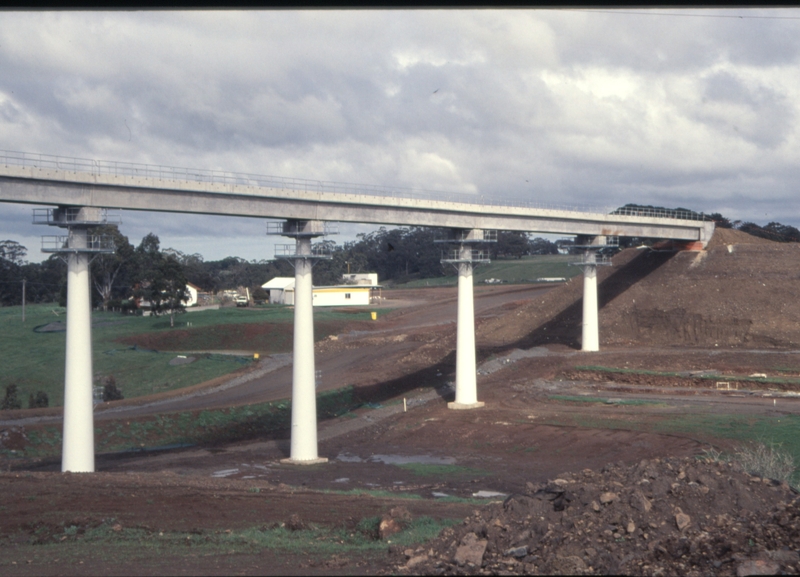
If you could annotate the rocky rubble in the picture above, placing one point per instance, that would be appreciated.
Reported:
(660, 517)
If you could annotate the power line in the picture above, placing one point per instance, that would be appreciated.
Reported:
(688, 15)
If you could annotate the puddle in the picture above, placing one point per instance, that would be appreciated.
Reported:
(249, 477)
(488, 494)
(396, 459)
(348, 458)
(342, 480)
(224, 473)
(404, 460)
(439, 495)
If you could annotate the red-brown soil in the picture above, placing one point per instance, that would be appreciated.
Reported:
(661, 312)
(741, 292)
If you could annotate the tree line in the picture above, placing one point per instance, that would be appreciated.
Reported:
(147, 272)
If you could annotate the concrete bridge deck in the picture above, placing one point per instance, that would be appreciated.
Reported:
(46, 180)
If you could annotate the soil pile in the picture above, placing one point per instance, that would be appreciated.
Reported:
(660, 517)
(739, 292)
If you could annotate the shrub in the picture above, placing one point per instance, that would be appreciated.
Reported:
(766, 461)
(38, 400)
(11, 401)
(110, 390)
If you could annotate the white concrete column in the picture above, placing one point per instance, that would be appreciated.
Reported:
(466, 370)
(78, 440)
(591, 330)
(304, 396)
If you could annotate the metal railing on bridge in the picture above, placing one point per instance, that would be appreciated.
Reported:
(172, 173)
(93, 243)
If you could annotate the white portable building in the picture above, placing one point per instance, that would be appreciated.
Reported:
(347, 295)
(281, 290)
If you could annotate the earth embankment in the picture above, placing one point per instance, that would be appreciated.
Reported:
(739, 292)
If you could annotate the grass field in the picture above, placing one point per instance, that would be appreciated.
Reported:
(512, 271)
(34, 361)
(151, 550)
(188, 428)
(779, 432)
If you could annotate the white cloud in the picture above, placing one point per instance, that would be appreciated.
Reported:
(572, 106)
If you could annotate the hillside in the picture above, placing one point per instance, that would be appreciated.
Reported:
(740, 292)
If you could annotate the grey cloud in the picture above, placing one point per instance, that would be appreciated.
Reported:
(754, 112)
(348, 96)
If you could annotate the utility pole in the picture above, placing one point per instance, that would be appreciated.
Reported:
(23, 299)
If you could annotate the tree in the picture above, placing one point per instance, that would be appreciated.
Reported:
(10, 401)
(12, 255)
(542, 246)
(166, 290)
(720, 221)
(108, 268)
(46, 280)
(13, 252)
(159, 279)
(110, 390)
(783, 232)
(511, 244)
(38, 400)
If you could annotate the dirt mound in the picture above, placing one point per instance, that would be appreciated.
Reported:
(725, 236)
(741, 291)
(660, 517)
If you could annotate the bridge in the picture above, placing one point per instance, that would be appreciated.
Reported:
(82, 189)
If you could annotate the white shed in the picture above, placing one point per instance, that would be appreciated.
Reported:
(281, 290)
(192, 290)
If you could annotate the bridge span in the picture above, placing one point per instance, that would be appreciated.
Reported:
(82, 189)
(60, 181)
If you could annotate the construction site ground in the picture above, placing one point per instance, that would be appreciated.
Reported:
(570, 467)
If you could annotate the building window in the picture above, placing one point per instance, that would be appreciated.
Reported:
(347, 295)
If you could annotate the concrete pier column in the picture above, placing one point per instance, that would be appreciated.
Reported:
(591, 330)
(78, 438)
(304, 396)
(466, 369)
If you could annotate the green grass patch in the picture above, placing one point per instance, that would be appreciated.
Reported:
(782, 432)
(605, 401)
(428, 470)
(34, 361)
(683, 374)
(131, 545)
(189, 428)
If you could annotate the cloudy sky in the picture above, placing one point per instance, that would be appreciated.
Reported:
(671, 107)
